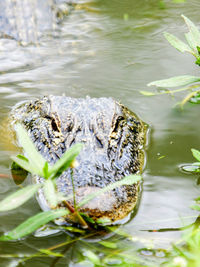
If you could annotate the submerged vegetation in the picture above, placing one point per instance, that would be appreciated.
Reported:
(191, 83)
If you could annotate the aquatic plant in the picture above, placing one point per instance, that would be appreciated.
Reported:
(190, 83)
(37, 165)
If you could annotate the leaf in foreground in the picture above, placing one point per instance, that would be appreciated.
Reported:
(176, 81)
(33, 223)
(25, 165)
(64, 162)
(193, 30)
(18, 198)
(178, 44)
(92, 257)
(50, 193)
(128, 180)
(196, 154)
(35, 158)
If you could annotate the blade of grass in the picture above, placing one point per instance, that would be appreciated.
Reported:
(25, 165)
(193, 30)
(33, 223)
(196, 154)
(177, 43)
(64, 162)
(18, 198)
(175, 81)
(35, 158)
(50, 193)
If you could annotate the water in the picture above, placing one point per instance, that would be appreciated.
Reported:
(111, 48)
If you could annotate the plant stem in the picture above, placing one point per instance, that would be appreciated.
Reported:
(70, 208)
(79, 217)
(73, 188)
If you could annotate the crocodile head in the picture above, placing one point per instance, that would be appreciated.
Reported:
(113, 139)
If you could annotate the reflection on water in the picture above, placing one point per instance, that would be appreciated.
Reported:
(111, 48)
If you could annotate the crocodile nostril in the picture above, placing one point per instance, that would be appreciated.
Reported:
(54, 125)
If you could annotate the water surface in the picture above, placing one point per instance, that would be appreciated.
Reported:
(111, 48)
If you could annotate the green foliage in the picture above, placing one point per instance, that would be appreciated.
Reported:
(18, 198)
(37, 165)
(193, 47)
(194, 167)
(33, 223)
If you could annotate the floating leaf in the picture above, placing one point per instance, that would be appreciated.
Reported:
(176, 81)
(64, 162)
(50, 193)
(177, 43)
(196, 154)
(128, 180)
(35, 158)
(108, 244)
(33, 223)
(190, 168)
(18, 198)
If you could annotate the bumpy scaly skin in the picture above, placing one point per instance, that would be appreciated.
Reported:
(113, 139)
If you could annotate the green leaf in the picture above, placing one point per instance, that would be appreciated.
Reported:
(25, 165)
(176, 81)
(64, 162)
(128, 180)
(18, 198)
(45, 170)
(92, 257)
(193, 31)
(35, 158)
(196, 163)
(190, 168)
(74, 229)
(108, 244)
(51, 253)
(50, 193)
(196, 154)
(103, 221)
(178, 44)
(33, 223)
(195, 207)
(191, 42)
(147, 93)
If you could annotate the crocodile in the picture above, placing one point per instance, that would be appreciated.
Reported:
(26, 20)
(113, 140)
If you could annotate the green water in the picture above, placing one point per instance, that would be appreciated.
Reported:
(112, 48)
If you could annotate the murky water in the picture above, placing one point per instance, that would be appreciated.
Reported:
(111, 48)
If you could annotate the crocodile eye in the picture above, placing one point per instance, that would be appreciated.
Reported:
(54, 125)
